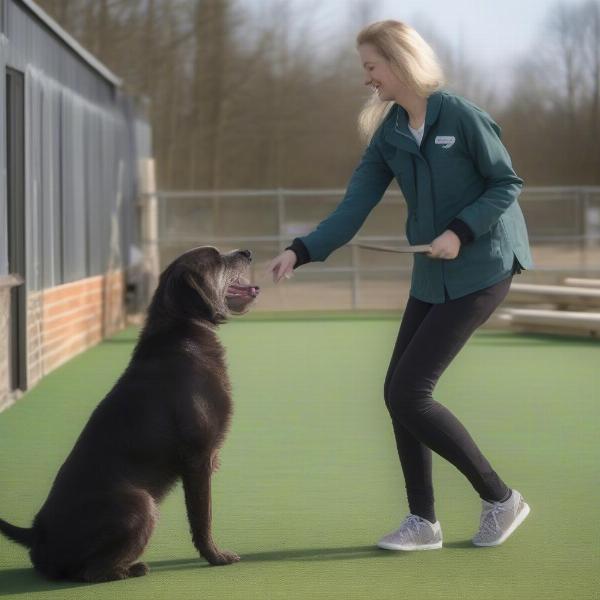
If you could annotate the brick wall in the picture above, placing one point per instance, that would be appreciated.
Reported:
(67, 319)
(61, 322)
(4, 349)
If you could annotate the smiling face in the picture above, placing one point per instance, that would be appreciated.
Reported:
(379, 75)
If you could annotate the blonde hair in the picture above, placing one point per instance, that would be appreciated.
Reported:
(411, 59)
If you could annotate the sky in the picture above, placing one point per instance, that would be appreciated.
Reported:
(493, 33)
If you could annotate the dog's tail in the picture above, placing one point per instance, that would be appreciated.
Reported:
(21, 535)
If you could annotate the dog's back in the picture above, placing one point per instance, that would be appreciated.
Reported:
(164, 419)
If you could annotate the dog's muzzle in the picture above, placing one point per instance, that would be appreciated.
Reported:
(242, 288)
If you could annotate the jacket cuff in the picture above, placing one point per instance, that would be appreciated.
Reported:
(462, 230)
(301, 252)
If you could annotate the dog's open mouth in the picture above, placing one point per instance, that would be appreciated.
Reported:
(242, 288)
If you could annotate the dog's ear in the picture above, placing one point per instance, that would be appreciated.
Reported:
(208, 291)
(183, 292)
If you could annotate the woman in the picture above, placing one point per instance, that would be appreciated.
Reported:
(461, 192)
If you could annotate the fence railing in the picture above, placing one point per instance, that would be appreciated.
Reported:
(563, 225)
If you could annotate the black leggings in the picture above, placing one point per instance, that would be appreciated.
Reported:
(430, 336)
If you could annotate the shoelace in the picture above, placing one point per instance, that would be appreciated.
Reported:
(413, 524)
(491, 525)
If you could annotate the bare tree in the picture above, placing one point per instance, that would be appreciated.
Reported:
(556, 94)
(591, 50)
(564, 30)
(240, 100)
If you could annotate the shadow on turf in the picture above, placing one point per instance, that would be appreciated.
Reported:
(310, 554)
(27, 581)
(468, 544)
(316, 554)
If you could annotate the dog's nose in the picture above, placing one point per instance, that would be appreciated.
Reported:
(246, 253)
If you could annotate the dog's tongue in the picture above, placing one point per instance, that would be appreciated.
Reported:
(241, 289)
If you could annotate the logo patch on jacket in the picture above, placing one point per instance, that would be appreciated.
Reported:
(446, 141)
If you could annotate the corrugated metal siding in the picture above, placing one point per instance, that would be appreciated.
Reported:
(32, 43)
(81, 144)
(3, 174)
(80, 177)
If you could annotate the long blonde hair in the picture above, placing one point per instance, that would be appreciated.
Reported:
(411, 59)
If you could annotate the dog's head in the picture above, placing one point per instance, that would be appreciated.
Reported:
(205, 284)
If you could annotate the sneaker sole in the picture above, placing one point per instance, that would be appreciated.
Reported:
(520, 518)
(388, 546)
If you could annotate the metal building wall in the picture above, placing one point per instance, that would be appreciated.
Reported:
(80, 156)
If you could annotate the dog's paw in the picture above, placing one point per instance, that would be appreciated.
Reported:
(138, 570)
(223, 558)
(215, 462)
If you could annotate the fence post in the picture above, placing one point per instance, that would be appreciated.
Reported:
(280, 218)
(355, 278)
(216, 213)
(592, 221)
(149, 222)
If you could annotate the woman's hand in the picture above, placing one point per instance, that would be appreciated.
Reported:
(282, 265)
(445, 246)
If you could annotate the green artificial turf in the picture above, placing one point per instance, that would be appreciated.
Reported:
(310, 478)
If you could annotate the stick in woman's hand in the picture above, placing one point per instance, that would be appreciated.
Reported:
(424, 248)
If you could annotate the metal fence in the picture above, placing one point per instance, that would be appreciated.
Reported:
(563, 224)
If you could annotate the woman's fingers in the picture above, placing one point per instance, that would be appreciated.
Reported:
(282, 271)
(286, 272)
(433, 253)
(441, 251)
(445, 246)
(273, 269)
(281, 267)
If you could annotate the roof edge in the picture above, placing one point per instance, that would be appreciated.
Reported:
(86, 56)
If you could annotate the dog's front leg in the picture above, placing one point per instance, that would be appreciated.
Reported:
(196, 485)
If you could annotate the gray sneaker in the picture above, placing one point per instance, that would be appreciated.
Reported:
(500, 519)
(415, 533)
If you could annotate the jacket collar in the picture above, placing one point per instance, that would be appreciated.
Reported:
(396, 130)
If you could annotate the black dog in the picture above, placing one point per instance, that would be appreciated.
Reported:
(164, 419)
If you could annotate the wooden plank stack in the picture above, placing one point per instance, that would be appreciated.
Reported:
(569, 309)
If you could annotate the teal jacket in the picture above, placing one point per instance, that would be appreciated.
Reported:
(461, 175)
